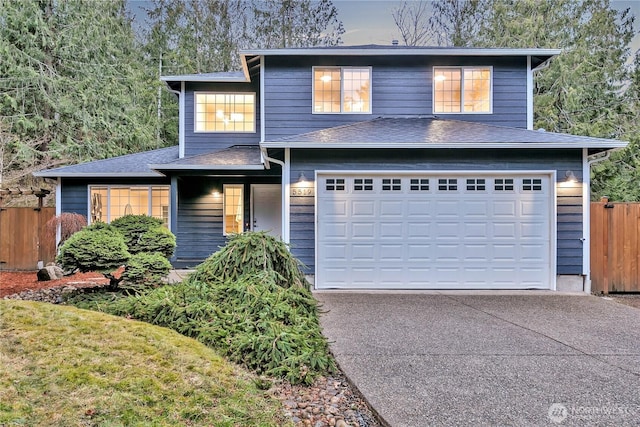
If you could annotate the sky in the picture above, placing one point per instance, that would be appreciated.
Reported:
(370, 21)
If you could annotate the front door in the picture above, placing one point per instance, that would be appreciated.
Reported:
(266, 208)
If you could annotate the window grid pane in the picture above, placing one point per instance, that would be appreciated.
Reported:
(233, 209)
(357, 85)
(225, 112)
(477, 90)
(447, 90)
(326, 90)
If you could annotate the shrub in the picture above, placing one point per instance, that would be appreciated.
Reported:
(250, 301)
(249, 253)
(146, 269)
(96, 248)
(132, 227)
(157, 239)
(67, 222)
(253, 321)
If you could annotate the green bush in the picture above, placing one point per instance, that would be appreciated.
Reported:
(253, 321)
(98, 247)
(248, 253)
(157, 239)
(146, 269)
(250, 301)
(134, 226)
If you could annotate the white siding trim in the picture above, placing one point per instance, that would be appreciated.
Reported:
(586, 220)
(181, 121)
(529, 94)
(262, 118)
(286, 196)
(58, 209)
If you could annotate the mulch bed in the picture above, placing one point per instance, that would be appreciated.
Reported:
(13, 282)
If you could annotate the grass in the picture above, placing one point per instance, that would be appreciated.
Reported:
(62, 366)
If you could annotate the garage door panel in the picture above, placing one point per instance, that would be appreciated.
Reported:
(418, 230)
(475, 209)
(363, 230)
(390, 252)
(391, 208)
(419, 252)
(533, 230)
(503, 230)
(335, 208)
(334, 252)
(418, 208)
(361, 208)
(475, 230)
(446, 230)
(334, 229)
(392, 230)
(504, 209)
(428, 234)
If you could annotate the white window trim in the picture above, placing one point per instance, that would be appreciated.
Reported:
(208, 92)
(462, 69)
(224, 203)
(313, 89)
(108, 201)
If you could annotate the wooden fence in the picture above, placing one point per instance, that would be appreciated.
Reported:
(21, 238)
(615, 247)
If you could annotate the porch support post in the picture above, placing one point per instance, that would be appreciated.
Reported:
(286, 193)
(586, 220)
(173, 211)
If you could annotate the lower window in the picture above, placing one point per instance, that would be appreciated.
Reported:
(233, 209)
(108, 203)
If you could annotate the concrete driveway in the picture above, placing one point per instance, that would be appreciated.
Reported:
(483, 358)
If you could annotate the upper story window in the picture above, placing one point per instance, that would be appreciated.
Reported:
(341, 90)
(225, 112)
(462, 90)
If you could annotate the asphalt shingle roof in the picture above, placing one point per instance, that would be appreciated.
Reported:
(431, 131)
(235, 157)
(134, 165)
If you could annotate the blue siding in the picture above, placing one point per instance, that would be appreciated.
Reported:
(400, 86)
(569, 200)
(199, 224)
(204, 142)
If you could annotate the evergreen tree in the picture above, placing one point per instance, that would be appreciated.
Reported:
(585, 90)
(74, 86)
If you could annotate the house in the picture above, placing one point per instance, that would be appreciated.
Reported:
(384, 167)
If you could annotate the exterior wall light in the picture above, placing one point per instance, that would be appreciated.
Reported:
(570, 177)
(302, 178)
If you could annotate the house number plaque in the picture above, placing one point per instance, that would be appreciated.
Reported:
(302, 191)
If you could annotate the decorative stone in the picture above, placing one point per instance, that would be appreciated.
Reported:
(50, 272)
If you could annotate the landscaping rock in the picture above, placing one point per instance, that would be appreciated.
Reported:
(50, 272)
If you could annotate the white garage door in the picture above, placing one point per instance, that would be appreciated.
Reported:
(433, 231)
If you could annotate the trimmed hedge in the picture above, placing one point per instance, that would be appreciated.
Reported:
(146, 269)
(98, 248)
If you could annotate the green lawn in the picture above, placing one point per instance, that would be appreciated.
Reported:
(62, 366)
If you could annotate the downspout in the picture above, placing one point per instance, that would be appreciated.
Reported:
(286, 174)
(586, 212)
(181, 101)
(266, 160)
